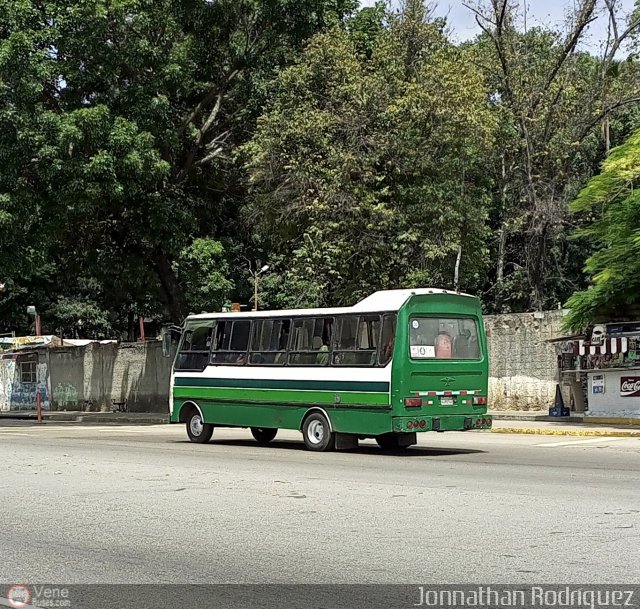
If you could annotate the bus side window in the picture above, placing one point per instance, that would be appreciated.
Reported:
(356, 340)
(231, 342)
(269, 341)
(310, 342)
(193, 352)
(387, 339)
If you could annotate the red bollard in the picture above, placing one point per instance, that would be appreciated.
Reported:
(39, 405)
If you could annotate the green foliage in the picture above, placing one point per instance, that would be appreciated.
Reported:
(84, 317)
(554, 103)
(613, 203)
(118, 120)
(152, 152)
(368, 172)
(202, 270)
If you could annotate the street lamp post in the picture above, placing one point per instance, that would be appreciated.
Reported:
(256, 275)
(33, 311)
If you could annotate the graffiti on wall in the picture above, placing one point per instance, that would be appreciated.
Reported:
(7, 374)
(16, 395)
(66, 396)
(42, 375)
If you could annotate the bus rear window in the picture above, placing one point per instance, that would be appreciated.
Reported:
(443, 338)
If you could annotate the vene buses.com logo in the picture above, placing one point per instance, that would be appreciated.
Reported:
(18, 596)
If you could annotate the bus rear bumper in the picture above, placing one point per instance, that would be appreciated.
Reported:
(445, 422)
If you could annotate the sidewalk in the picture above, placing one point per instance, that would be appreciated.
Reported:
(577, 424)
(123, 418)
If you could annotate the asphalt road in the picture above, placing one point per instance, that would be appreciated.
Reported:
(88, 504)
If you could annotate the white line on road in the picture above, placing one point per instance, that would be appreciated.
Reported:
(579, 442)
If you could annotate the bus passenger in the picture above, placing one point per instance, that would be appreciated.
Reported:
(387, 352)
(323, 356)
(443, 346)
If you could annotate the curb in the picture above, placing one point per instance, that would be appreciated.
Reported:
(585, 420)
(503, 416)
(90, 419)
(565, 432)
(112, 421)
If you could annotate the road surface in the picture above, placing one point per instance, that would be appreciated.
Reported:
(116, 504)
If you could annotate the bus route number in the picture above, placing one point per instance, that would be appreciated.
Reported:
(422, 351)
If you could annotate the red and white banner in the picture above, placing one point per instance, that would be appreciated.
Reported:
(630, 386)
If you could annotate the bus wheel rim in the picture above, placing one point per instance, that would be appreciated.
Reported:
(195, 425)
(315, 432)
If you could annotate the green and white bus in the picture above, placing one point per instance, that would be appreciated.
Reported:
(398, 363)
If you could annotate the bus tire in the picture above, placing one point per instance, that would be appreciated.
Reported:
(264, 435)
(197, 430)
(317, 433)
(388, 441)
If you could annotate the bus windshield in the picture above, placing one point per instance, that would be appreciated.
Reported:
(443, 338)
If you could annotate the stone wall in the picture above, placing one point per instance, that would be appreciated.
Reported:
(522, 365)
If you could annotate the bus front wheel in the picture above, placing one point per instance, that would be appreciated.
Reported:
(264, 435)
(317, 433)
(197, 430)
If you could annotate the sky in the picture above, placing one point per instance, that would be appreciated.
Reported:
(539, 12)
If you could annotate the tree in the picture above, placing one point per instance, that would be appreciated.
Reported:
(120, 119)
(554, 101)
(367, 169)
(612, 201)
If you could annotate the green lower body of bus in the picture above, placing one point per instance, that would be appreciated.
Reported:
(356, 420)
(361, 421)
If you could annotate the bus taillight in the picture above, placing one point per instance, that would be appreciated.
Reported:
(480, 400)
(413, 402)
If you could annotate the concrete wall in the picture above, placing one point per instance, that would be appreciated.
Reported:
(522, 366)
(94, 377)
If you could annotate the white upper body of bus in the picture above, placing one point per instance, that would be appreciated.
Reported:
(382, 301)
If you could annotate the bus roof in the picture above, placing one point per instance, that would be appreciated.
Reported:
(385, 300)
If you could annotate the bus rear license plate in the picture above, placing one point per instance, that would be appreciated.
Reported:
(446, 401)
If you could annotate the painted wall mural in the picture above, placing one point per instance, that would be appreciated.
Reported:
(19, 391)
(65, 395)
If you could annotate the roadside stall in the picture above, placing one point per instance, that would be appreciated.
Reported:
(601, 370)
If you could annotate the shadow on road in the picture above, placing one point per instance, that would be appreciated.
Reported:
(414, 451)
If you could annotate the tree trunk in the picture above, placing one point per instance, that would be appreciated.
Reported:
(501, 247)
(456, 272)
(171, 292)
(503, 233)
(606, 134)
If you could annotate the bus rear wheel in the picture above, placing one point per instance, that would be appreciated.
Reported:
(317, 433)
(263, 435)
(197, 430)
